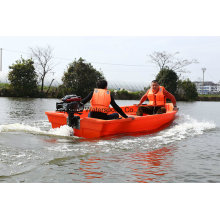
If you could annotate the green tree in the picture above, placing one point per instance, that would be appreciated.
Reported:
(186, 90)
(23, 77)
(80, 78)
(168, 78)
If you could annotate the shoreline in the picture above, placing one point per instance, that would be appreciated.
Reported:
(119, 95)
(209, 98)
(200, 98)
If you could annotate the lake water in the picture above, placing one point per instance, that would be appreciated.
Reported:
(30, 151)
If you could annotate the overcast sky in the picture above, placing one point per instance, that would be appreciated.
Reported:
(106, 53)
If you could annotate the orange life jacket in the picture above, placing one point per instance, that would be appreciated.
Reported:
(156, 99)
(100, 101)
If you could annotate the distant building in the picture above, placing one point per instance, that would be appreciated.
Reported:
(218, 87)
(208, 88)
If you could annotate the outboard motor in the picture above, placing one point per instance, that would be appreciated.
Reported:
(71, 104)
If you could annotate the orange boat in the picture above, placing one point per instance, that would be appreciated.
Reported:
(95, 128)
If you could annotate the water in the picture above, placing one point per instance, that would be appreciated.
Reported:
(30, 151)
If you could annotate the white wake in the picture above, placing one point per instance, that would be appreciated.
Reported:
(182, 128)
(62, 131)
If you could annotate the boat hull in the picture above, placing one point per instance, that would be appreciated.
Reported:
(95, 128)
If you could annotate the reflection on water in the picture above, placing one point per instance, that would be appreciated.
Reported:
(143, 166)
(24, 109)
(91, 168)
(146, 166)
(20, 107)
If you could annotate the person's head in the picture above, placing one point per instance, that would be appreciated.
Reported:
(102, 84)
(154, 85)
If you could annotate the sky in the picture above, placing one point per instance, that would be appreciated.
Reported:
(120, 58)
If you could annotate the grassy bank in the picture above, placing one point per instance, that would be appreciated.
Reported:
(125, 95)
(209, 97)
(4, 85)
(7, 91)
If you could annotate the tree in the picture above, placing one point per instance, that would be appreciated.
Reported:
(166, 60)
(168, 78)
(80, 78)
(23, 77)
(186, 90)
(43, 60)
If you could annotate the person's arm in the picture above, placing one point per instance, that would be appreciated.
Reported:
(144, 97)
(170, 96)
(117, 108)
(87, 98)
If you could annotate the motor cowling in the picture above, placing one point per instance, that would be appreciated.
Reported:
(71, 98)
(71, 104)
